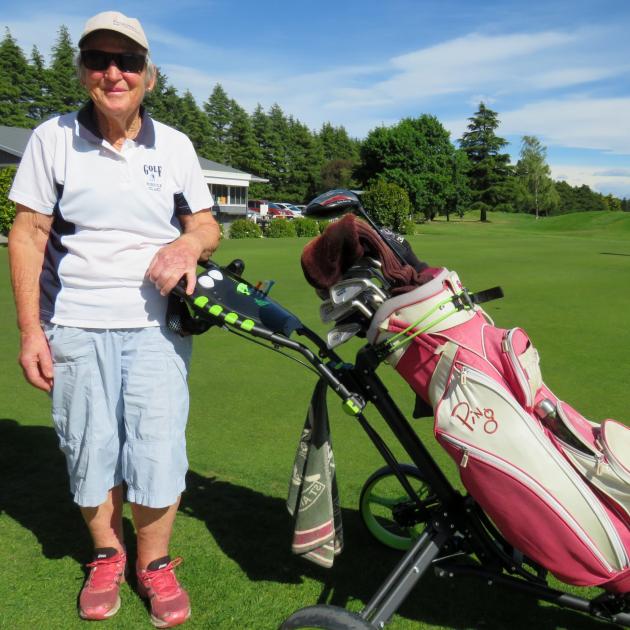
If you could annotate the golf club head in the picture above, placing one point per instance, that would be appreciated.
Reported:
(371, 269)
(373, 300)
(348, 290)
(341, 334)
(330, 312)
(332, 204)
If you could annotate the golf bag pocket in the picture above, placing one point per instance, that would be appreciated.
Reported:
(538, 501)
(615, 440)
(532, 519)
(600, 453)
(523, 366)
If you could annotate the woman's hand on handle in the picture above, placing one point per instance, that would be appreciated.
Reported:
(178, 259)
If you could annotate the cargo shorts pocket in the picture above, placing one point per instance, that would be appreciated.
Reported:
(71, 349)
(156, 398)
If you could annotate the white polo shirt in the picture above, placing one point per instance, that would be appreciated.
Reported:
(112, 211)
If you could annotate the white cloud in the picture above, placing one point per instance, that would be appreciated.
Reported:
(584, 123)
(567, 77)
(504, 64)
(614, 172)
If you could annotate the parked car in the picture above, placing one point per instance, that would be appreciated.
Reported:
(279, 211)
(260, 206)
(291, 211)
(289, 207)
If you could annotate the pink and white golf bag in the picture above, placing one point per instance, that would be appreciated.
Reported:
(555, 484)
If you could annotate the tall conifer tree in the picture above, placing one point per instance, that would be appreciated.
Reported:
(489, 168)
(16, 88)
(39, 86)
(261, 126)
(341, 158)
(279, 149)
(66, 94)
(194, 123)
(242, 150)
(217, 108)
(337, 144)
(163, 102)
(304, 158)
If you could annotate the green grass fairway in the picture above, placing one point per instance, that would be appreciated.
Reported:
(566, 282)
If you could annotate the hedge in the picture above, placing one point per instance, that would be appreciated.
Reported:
(243, 228)
(306, 227)
(7, 208)
(280, 228)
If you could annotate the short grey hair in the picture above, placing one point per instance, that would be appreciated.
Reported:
(151, 68)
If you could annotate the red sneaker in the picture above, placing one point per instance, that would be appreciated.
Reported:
(170, 605)
(100, 598)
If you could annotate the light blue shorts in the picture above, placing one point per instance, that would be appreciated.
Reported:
(120, 406)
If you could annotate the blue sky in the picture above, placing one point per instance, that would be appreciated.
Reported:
(555, 69)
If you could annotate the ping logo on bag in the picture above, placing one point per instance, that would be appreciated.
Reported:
(468, 417)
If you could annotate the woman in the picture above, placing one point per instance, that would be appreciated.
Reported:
(112, 212)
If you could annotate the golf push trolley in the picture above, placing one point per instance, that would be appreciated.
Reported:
(435, 525)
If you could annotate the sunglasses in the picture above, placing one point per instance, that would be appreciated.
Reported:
(101, 60)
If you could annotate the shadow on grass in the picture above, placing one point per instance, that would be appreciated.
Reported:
(254, 530)
(34, 492)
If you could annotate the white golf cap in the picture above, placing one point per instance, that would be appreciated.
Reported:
(117, 22)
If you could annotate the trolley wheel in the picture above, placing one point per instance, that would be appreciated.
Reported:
(326, 617)
(390, 515)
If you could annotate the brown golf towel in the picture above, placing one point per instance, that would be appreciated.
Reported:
(326, 258)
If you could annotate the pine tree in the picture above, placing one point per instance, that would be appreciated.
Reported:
(16, 89)
(261, 126)
(489, 168)
(242, 150)
(163, 102)
(66, 94)
(218, 110)
(194, 123)
(337, 145)
(305, 159)
(271, 131)
(341, 158)
(279, 145)
(39, 86)
(337, 174)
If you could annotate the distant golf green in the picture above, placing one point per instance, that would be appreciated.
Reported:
(566, 281)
